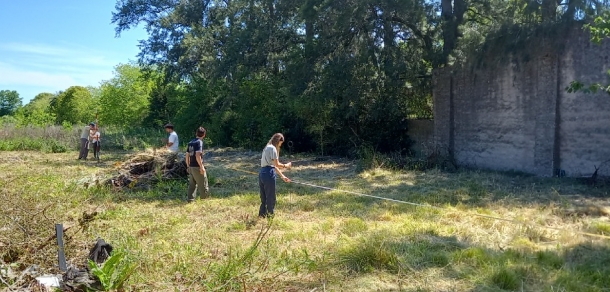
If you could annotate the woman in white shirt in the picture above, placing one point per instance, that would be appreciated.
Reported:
(270, 165)
(95, 142)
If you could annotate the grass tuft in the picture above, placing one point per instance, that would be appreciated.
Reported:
(368, 254)
(506, 279)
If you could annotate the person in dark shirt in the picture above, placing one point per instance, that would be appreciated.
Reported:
(198, 178)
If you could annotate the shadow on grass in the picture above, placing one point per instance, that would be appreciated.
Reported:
(582, 267)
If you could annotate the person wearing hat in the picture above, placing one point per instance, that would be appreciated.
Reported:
(84, 141)
(172, 141)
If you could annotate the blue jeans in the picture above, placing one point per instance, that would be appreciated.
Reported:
(266, 182)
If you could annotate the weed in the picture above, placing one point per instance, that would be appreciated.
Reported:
(506, 279)
(114, 272)
(601, 228)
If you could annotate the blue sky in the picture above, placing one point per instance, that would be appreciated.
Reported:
(47, 46)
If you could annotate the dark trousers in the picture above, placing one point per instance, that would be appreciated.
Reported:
(96, 150)
(266, 182)
(84, 148)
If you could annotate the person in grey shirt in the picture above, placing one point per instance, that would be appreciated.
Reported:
(84, 142)
(270, 164)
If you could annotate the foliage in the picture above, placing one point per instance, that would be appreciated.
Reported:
(124, 100)
(73, 106)
(33, 144)
(600, 30)
(15, 136)
(330, 78)
(10, 101)
(114, 272)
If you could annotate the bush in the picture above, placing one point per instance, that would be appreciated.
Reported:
(57, 139)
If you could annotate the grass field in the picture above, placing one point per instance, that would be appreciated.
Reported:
(319, 240)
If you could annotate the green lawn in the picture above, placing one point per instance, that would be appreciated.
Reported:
(319, 240)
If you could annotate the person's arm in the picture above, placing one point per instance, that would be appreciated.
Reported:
(282, 165)
(188, 162)
(279, 165)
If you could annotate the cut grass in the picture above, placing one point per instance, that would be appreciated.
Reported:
(318, 240)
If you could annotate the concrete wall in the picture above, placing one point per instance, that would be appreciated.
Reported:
(516, 115)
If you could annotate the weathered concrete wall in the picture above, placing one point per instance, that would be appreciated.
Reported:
(584, 131)
(421, 132)
(517, 115)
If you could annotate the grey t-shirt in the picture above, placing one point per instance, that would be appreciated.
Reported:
(85, 133)
(269, 154)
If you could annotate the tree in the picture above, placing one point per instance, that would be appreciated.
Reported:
(73, 106)
(41, 101)
(334, 75)
(124, 100)
(10, 101)
(37, 112)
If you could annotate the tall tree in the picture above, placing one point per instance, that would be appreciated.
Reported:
(124, 100)
(10, 101)
(73, 106)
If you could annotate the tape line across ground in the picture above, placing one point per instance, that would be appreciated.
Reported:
(435, 207)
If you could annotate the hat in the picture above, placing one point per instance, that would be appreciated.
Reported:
(169, 126)
(92, 124)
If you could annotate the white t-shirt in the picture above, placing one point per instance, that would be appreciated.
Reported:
(269, 154)
(173, 138)
(95, 137)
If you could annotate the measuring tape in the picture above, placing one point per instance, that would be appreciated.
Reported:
(431, 207)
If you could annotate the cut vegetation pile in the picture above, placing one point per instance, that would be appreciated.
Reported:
(148, 168)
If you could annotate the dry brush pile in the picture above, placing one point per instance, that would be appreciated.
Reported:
(147, 168)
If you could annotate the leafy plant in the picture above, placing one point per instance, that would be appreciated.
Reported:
(113, 273)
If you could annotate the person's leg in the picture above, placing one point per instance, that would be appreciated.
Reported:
(270, 193)
(86, 155)
(262, 212)
(202, 182)
(83, 143)
(98, 148)
(190, 196)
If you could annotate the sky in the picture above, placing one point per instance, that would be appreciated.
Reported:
(48, 46)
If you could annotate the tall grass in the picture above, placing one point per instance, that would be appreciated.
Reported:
(58, 139)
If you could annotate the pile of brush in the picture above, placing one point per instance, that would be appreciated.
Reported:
(147, 168)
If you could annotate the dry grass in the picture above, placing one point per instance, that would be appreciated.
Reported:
(319, 240)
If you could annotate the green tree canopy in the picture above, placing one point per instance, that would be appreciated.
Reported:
(41, 101)
(73, 106)
(125, 99)
(10, 101)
